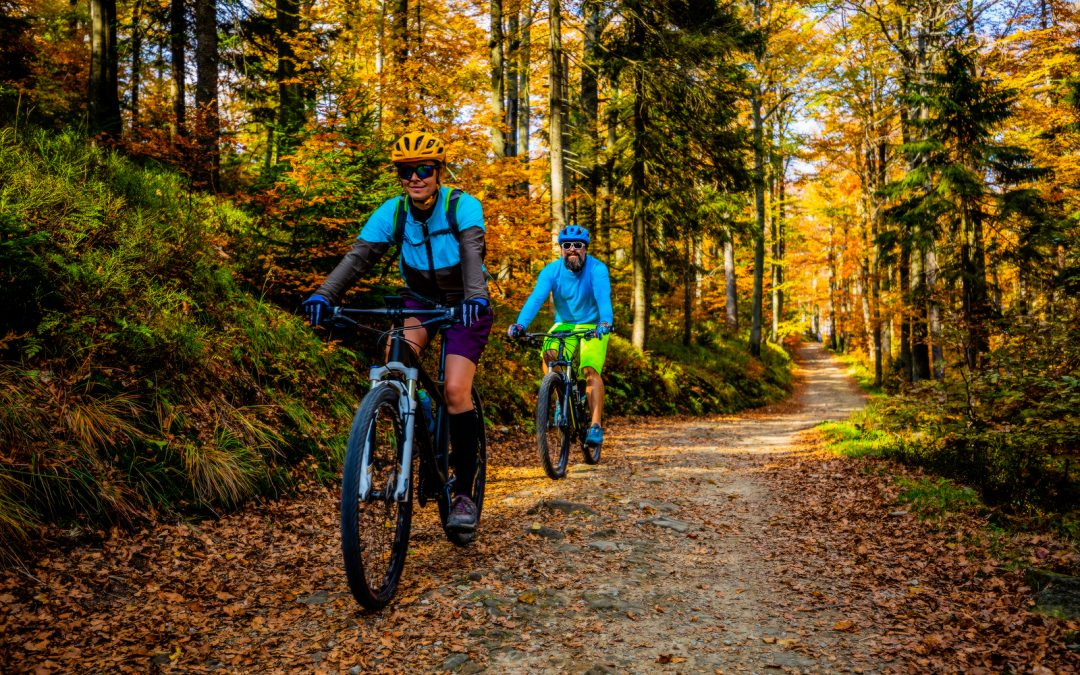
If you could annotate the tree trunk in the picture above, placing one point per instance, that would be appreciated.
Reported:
(104, 89)
(399, 48)
(136, 61)
(834, 316)
(920, 319)
(778, 252)
(759, 229)
(975, 296)
(590, 111)
(907, 357)
(731, 290)
(688, 289)
(380, 65)
(206, 92)
(512, 70)
(640, 251)
(177, 48)
(498, 114)
(524, 109)
(290, 90)
(555, 119)
(880, 173)
(607, 192)
(937, 353)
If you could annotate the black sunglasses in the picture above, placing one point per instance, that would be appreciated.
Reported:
(572, 245)
(423, 172)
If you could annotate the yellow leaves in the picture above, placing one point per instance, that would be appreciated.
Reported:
(527, 598)
(845, 625)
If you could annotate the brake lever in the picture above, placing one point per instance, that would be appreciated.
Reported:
(339, 320)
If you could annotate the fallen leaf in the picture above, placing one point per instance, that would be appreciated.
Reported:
(527, 598)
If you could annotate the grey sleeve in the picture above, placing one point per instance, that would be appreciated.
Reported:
(473, 248)
(360, 259)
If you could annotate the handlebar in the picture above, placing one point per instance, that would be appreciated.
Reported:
(561, 335)
(342, 316)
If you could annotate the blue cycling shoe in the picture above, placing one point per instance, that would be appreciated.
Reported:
(595, 435)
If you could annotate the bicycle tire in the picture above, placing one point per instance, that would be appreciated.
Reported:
(552, 433)
(476, 491)
(375, 529)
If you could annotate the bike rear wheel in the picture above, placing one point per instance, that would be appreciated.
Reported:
(374, 526)
(553, 426)
(476, 490)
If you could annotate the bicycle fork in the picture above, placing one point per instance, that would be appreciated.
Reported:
(409, 409)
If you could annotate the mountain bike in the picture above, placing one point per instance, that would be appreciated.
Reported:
(562, 411)
(392, 440)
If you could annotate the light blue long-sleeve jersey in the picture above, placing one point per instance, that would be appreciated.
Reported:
(579, 297)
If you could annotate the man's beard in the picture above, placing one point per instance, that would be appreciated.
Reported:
(574, 263)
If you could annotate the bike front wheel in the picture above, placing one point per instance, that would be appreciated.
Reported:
(374, 526)
(553, 426)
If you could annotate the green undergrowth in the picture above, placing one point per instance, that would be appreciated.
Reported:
(668, 379)
(136, 377)
(1020, 487)
(140, 379)
(935, 498)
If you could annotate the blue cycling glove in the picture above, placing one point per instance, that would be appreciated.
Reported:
(515, 331)
(603, 328)
(315, 307)
(473, 310)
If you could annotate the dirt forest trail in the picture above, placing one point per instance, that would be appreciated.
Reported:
(720, 544)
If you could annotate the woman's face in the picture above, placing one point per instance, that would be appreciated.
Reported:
(419, 189)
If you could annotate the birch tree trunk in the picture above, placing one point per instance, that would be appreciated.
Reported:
(555, 119)
(731, 290)
(524, 108)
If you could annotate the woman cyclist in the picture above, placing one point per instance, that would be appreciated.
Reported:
(436, 263)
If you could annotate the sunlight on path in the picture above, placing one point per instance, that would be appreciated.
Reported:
(673, 563)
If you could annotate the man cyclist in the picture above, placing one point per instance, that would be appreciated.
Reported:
(439, 265)
(580, 290)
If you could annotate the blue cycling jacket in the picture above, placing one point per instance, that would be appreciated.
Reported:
(579, 297)
(433, 262)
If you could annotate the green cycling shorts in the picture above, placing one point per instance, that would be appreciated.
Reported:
(593, 352)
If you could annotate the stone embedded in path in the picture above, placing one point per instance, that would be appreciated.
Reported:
(564, 506)
(679, 526)
(545, 532)
(606, 602)
(319, 598)
(455, 661)
(662, 507)
(605, 546)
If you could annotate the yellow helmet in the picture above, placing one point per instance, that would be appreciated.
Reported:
(417, 146)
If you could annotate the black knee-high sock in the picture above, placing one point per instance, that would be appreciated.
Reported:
(464, 435)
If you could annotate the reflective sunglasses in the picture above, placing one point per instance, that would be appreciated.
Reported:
(423, 172)
(573, 245)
